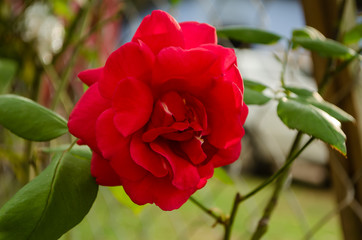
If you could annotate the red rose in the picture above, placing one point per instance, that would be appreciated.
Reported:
(165, 110)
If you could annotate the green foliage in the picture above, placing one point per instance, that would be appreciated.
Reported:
(174, 2)
(223, 176)
(301, 108)
(308, 32)
(82, 151)
(122, 198)
(316, 100)
(353, 35)
(305, 117)
(253, 93)
(61, 8)
(7, 72)
(51, 204)
(249, 35)
(304, 110)
(325, 47)
(311, 39)
(29, 120)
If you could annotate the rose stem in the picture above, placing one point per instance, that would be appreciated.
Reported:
(279, 174)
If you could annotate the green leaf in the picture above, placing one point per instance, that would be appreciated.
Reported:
(308, 32)
(52, 203)
(252, 97)
(253, 93)
(175, 2)
(7, 72)
(82, 151)
(325, 47)
(223, 176)
(301, 92)
(316, 100)
(248, 35)
(29, 120)
(254, 85)
(61, 8)
(353, 35)
(332, 110)
(313, 121)
(123, 198)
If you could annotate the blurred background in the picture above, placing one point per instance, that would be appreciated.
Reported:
(44, 44)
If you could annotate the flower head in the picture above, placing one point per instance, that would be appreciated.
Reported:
(165, 110)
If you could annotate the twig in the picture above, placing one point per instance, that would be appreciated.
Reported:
(293, 154)
(289, 161)
(345, 202)
(285, 63)
(263, 222)
(54, 80)
(228, 225)
(65, 76)
(329, 72)
(219, 218)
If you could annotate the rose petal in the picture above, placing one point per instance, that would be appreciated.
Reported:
(142, 154)
(179, 136)
(226, 56)
(160, 118)
(140, 192)
(159, 30)
(168, 197)
(131, 60)
(157, 190)
(91, 76)
(225, 115)
(233, 75)
(206, 171)
(226, 156)
(116, 148)
(199, 115)
(193, 149)
(109, 140)
(103, 172)
(125, 167)
(185, 175)
(175, 105)
(153, 133)
(190, 68)
(133, 103)
(196, 34)
(82, 120)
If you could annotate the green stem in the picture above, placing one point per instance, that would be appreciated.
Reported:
(55, 79)
(29, 145)
(72, 145)
(285, 63)
(291, 157)
(70, 33)
(293, 154)
(65, 77)
(263, 222)
(329, 73)
(219, 218)
(228, 225)
(97, 27)
(281, 174)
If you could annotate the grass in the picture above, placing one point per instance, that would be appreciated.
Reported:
(299, 209)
